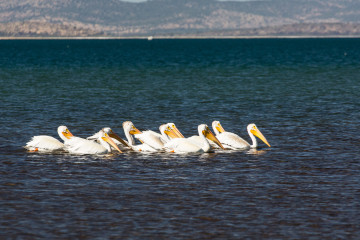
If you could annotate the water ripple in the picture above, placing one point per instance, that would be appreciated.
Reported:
(302, 94)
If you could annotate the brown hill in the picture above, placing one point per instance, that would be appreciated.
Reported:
(186, 17)
(46, 29)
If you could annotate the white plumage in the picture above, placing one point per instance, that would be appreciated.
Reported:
(154, 139)
(123, 145)
(151, 138)
(170, 139)
(129, 130)
(77, 145)
(183, 145)
(196, 139)
(233, 141)
(186, 145)
(43, 143)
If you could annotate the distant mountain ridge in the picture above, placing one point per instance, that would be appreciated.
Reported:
(168, 17)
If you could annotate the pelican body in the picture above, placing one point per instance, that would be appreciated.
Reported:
(153, 139)
(234, 141)
(186, 145)
(156, 140)
(130, 130)
(77, 145)
(195, 139)
(44, 143)
(123, 145)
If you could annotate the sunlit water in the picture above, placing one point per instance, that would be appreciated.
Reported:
(303, 94)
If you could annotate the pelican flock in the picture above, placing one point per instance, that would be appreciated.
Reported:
(168, 139)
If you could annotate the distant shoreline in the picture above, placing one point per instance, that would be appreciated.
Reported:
(180, 37)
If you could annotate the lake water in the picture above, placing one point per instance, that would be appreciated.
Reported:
(303, 94)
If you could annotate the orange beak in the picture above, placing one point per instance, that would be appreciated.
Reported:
(208, 134)
(107, 139)
(258, 134)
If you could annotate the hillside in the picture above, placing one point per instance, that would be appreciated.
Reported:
(186, 17)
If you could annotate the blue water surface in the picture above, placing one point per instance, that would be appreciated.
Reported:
(303, 94)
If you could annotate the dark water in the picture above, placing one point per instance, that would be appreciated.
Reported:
(303, 94)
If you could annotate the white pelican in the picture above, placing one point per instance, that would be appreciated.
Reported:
(129, 130)
(43, 143)
(153, 139)
(196, 138)
(175, 129)
(233, 141)
(156, 140)
(79, 145)
(185, 145)
(123, 145)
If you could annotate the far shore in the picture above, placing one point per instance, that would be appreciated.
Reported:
(180, 37)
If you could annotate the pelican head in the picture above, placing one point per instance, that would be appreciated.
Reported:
(111, 134)
(64, 133)
(253, 130)
(162, 129)
(205, 130)
(217, 127)
(169, 132)
(175, 129)
(106, 138)
(130, 128)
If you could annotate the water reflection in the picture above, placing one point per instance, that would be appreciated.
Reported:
(256, 152)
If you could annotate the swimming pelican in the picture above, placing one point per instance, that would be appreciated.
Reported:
(123, 145)
(43, 143)
(233, 141)
(185, 145)
(153, 139)
(79, 145)
(129, 130)
(156, 140)
(196, 138)
(213, 141)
